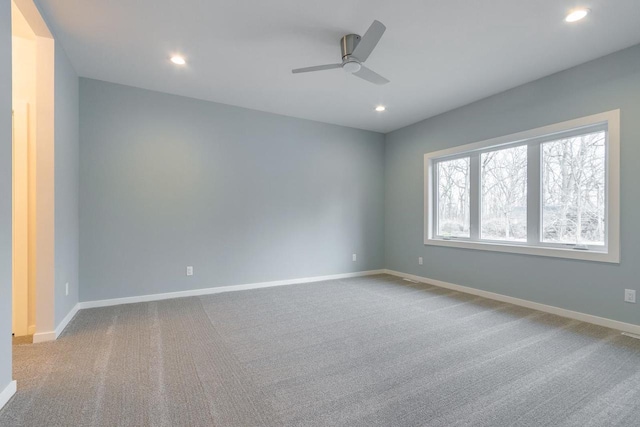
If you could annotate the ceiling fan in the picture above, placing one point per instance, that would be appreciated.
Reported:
(355, 51)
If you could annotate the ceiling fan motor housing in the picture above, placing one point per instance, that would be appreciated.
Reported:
(350, 63)
(348, 44)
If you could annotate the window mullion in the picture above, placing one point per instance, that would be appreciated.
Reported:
(534, 188)
(433, 194)
(474, 196)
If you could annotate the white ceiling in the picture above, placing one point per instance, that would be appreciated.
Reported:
(438, 54)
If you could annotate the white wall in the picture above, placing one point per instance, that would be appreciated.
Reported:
(5, 194)
(24, 51)
(24, 106)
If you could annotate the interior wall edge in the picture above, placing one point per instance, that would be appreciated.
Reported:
(53, 335)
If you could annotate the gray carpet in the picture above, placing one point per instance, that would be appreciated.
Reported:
(373, 351)
(25, 339)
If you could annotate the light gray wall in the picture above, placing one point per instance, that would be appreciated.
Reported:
(243, 196)
(608, 83)
(66, 183)
(5, 194)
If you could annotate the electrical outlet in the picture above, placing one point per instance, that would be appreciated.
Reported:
(354, 257)
(630, 296)
(189, 270)
(66, 288)
(420, 261)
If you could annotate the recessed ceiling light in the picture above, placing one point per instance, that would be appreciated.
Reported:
(380, 108)
(577, 15)
(178, 60)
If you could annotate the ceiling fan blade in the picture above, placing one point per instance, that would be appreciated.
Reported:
(370, 76)
(369, 41)
(316, 68)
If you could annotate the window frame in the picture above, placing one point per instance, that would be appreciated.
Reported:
(608, 121)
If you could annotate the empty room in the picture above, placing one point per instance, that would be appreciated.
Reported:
(331, 213)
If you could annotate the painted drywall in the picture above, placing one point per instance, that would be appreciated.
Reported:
(24, 127)
(24, 65)
(67, 153)
(243, 196)
(608, 83)
(5, 194)
(45, 186)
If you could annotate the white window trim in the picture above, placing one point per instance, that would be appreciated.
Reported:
(612, 244)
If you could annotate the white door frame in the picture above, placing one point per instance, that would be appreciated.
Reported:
(20, 217)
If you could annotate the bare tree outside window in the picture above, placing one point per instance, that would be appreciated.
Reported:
(551, 191)
(573, 190)
(504, 194)
(453, 198)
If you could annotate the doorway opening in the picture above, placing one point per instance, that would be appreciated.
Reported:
(32, 172)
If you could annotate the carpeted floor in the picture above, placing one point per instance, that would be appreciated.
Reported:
(25, 339)
(374, 351)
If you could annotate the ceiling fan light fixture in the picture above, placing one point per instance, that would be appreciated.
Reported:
(380, 108)
(351, 67)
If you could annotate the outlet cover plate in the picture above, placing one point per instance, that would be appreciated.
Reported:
(630, 295)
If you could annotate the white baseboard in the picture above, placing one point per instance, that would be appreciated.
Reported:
(631, 335)
(7, 393)
(67, 319)
(39, 337)
(601, 321)
(220, 289)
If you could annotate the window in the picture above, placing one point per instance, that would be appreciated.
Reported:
(504, 194)
(573, 190)
(552, 191)
(453, 198)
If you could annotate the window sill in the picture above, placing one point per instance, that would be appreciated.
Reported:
(612, 256)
